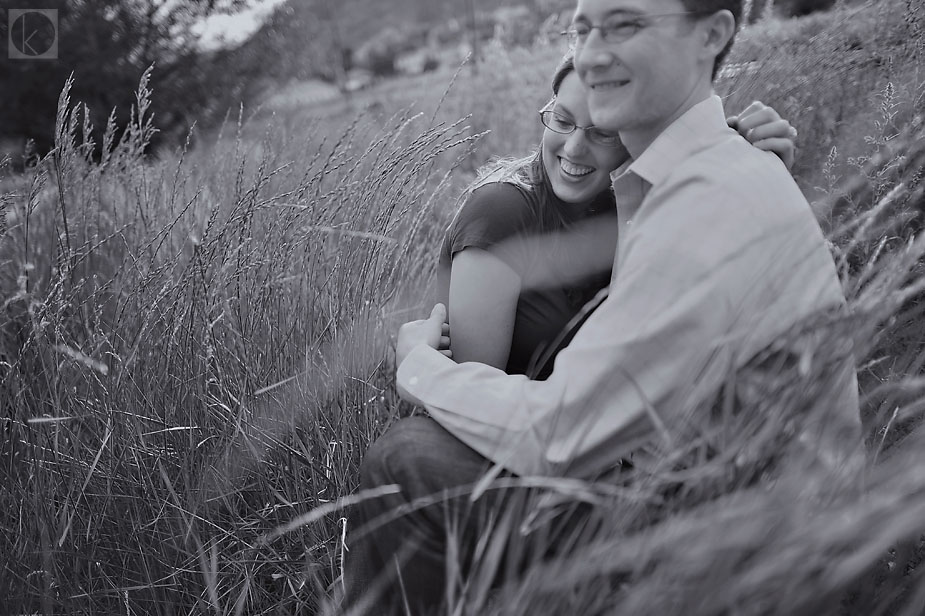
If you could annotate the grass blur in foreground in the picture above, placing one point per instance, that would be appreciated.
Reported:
(195, 352)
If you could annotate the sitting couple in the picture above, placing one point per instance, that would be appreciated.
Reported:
(647, 248)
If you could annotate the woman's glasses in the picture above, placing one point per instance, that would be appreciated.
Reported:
(559, 123)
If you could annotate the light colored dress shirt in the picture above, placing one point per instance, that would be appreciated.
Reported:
(719, 254)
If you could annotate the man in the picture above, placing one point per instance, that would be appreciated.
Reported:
(718, 256)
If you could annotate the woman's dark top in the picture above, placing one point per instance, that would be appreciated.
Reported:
(498, 211)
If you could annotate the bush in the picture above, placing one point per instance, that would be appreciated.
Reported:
(798, 8)
(378, 55)
(107, 45)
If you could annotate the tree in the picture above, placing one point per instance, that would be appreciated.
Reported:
(379, 53)
(797, 8)
(107, 45)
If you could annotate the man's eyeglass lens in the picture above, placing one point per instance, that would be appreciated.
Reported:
(617, 29)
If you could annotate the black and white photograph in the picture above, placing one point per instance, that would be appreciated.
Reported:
(462, 307)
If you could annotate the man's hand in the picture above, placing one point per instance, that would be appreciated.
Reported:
(764, 129)
(432, 331)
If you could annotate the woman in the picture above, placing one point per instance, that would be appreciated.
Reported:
(508, 301)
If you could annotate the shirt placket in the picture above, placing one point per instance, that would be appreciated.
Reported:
(630, 191)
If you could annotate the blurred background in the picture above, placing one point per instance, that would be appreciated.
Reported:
(211, 56)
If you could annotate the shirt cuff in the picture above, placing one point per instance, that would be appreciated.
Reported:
(416, 372)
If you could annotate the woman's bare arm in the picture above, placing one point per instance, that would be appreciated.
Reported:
(483, 303)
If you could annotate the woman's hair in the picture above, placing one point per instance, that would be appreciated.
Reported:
(529, 172)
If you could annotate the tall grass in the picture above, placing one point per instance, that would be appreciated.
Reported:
(195, 351)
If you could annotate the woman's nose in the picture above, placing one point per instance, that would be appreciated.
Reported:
(576, 143)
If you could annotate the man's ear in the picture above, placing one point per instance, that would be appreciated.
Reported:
(718, 29)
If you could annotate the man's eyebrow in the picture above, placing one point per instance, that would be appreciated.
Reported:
(624, 12)
(611, 13)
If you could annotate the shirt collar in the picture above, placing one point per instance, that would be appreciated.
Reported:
(700, 127)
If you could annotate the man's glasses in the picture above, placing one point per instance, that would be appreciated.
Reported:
(558, 123)
(616, 28)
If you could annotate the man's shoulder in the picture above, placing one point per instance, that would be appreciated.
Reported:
(724, 199)
(732, 183)
(735, 165)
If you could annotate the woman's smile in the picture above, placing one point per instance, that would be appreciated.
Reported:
(574, 170)
(578, 167)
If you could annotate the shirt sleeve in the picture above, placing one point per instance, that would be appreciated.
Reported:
(494, 212)
(599, 391)
(629, 357)
(658, 345)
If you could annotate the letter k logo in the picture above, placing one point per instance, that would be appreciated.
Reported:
(33, 34)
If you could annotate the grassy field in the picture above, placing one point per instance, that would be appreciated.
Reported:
(195, 352)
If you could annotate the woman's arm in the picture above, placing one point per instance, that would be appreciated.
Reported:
(483, 303)
(766, 130)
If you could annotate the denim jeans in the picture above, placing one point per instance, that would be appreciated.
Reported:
(405, 557)
(398, 552)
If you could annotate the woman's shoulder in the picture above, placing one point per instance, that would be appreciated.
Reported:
(491, 213)
(498, 199)
(502, 203)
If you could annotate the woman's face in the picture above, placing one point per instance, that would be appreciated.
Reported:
(577, 168)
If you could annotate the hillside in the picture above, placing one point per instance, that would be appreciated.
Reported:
(322, 39)
(316, 38)
(361, 20)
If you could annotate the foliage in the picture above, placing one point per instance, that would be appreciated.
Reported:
(153, 312)
(107, 45)
(318, 39)
(758, 9)
(379, 53)
(798, 8)
(195, 352)
(823, 71)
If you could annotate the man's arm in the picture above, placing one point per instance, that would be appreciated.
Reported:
(706, 276)
(643, 347)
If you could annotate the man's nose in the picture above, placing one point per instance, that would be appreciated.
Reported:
(593, 52)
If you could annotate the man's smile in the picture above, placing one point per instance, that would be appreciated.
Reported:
(609, 85)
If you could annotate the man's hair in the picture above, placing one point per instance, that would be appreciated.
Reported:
(713, 6)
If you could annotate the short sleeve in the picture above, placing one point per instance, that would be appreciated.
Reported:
(493, 213)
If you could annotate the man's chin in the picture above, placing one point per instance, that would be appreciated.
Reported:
(608, 117)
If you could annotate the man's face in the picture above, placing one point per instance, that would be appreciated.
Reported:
(644, 81)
